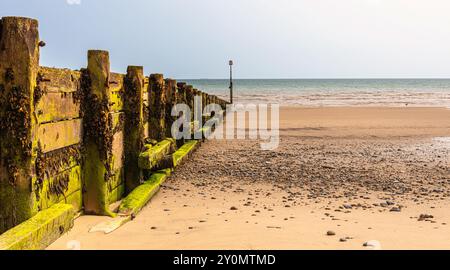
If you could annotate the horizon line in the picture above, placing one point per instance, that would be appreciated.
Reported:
(330, 78)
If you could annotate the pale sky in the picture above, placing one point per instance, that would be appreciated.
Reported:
(265, 38)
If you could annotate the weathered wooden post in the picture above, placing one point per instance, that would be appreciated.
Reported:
(204, 97)
(181, 92)
(19, 63)
(97, 134)
(181, 99)
(189, 90)
(157, 103)
(134, 135)
(197, 113)
(171, 93)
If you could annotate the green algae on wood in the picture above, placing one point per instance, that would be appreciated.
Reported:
(97, 134)
(58, 176)
(56, 95)
(157, 107)
(141, 195)
(189, 92)
(134, 119)
(171, 93)
(58, 187)
(39, 231)
(180, 155)
(19, 62)
(153, 155)
(116, 194)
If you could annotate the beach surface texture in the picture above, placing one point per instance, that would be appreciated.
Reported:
(341, 178)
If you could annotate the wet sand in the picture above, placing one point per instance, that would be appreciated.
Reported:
(340, 177)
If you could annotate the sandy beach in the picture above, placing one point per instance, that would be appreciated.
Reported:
(341, 177)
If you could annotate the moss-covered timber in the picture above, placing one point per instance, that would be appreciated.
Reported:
(157, 107)
(181, 92)
(19, 63)
(97, 134)
(141, 195)
(154, 155)
(134, 135)
(183, 152)
(171, 93)
(189, 92)
(39, 231)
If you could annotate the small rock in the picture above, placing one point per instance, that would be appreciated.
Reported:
(343, 240)
(423, 217)
(396, 209)
(331, 233)
(233, 208)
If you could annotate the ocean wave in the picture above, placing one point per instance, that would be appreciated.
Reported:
(395, 92)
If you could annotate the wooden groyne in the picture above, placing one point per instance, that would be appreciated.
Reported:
(75, 138)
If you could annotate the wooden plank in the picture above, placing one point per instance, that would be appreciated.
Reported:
(57, 106)
(116, 101)
(183, 152)
(145, 99)
(55, 162)
(116, 180)
(56, 80)
(58, 187)
(117, 119)
(116, 82)
(75, 199)
(52, 136)
(152, 156)
(117, 150)
(116, 194)
(39, 231)
(146, 132)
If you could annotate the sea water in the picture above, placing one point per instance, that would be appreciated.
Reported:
(333, 92)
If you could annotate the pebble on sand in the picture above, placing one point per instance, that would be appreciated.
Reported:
(423, 217)
(331, 233)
